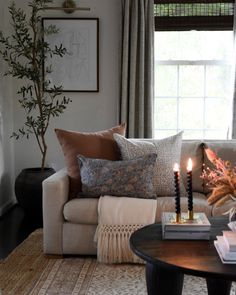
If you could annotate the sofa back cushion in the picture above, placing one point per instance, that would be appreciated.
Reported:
(192, 149)
(100, 145)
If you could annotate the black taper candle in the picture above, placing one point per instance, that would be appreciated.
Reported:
(190, 190)
(177, 191)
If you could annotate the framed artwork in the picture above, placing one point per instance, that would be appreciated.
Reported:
(78, 69)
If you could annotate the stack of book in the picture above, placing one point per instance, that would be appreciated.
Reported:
(226, 247)
(197, 229)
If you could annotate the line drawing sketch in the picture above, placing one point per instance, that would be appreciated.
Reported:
(78, 69)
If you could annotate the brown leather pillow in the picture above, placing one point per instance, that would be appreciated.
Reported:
(99, 145)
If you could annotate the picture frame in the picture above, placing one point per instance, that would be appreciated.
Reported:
(78, 69)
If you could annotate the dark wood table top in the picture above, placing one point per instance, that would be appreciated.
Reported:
(198, 258)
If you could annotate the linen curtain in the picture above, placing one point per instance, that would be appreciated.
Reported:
(234, 89)
(137, 62)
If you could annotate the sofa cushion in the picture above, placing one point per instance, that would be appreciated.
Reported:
(226, 150)
(81, 210)
(85, 210)
(194, 150)
(167, 204)
(99, 145)
(131, 178)
(168, 152)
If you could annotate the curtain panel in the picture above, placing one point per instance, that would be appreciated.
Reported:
(137, 62)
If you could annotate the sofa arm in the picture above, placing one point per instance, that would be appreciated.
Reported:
(55, 195)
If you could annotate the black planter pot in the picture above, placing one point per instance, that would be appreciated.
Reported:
(28, 190)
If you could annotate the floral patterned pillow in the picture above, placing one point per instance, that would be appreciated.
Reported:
(130, 178)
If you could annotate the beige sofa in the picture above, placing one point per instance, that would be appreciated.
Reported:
(69, 225)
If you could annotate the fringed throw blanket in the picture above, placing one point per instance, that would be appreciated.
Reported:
(118, 218)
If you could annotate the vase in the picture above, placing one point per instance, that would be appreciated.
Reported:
(28, 191)
(232, 216)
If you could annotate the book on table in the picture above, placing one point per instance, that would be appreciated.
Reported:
(196, 229)
(226, 254)
(224, 258)
(226, 247)
(230, 240)
(186, 235)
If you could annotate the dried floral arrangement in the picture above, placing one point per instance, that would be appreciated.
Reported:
(221, 180)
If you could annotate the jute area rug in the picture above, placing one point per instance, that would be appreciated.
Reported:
(28, 271)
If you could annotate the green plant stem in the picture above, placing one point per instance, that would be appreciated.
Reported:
(25, 51)
(38, 92)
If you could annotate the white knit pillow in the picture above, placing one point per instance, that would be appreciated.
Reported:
(168, 152)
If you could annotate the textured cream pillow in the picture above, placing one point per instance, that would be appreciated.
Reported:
(168, 152)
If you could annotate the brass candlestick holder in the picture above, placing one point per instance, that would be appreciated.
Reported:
(190, 215)
(178, 218)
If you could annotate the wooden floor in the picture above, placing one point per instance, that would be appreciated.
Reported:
(14, 228)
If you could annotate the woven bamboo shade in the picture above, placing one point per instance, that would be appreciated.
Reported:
(176, 15)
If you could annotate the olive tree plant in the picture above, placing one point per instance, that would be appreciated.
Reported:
(25, 52)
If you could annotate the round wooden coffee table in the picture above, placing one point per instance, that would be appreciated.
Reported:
(168, 260)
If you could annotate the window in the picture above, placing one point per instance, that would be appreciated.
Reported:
(193, 57)
(193, 84)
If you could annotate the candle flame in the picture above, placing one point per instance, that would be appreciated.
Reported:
(190, 165)
(176, 167)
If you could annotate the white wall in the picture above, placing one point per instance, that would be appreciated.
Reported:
(6, 124)
(88, 111)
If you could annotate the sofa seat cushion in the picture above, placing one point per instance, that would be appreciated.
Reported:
(82, 211)
(85, 210)
(167, 204)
